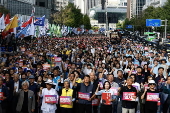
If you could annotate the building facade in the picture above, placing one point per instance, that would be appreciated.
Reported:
(25, 7)
(134, 7)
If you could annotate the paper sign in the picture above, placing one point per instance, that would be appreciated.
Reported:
(115, 90)
(22, 49)
(65, 100)
(83, 96)
(1, 95)
(57, 59)
(146, 86)
(50, 98)
(101, 85)
(95, 102)
(20, 63)
(46, 66)
(152, 97)
(129, 96)
(105, 98)
(136, 86)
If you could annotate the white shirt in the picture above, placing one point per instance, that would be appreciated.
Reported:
(16, 84)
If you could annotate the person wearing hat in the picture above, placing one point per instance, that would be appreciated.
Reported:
(150, 106)
(48, 107)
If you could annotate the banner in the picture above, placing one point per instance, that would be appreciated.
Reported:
(129, 96)
(65, 100)
(1, 95)
(50, 98)
(115, 90)
(95, 102)
(152, 97)
(105, 98)
(83, 96)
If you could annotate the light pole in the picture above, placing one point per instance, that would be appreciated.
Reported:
(165, 27)
(106, 17)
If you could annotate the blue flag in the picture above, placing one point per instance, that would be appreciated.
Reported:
(40, 21)
(23, 33)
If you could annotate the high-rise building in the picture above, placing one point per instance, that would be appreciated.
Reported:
(86, 5)
(134, 7)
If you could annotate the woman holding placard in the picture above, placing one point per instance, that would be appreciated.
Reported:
(50, 98)
(107, 97)
(152, 97)
(66, 99)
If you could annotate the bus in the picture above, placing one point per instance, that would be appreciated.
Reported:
(150, 36)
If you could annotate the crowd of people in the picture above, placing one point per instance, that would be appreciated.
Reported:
(84, 74)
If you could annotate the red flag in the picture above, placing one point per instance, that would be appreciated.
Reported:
(7, 20)
(27, 22)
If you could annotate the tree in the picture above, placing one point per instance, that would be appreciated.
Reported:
(69, 16)
(3, 10)
(86, 22)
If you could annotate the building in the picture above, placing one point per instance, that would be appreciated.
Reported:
(154, 3)
(134, 7)
(25, 7)
(86, 5)
(60, 3)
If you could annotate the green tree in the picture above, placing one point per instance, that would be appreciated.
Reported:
(69, 16)
(86, 22)
(3, 10)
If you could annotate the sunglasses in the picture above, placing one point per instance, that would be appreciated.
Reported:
(152, 84)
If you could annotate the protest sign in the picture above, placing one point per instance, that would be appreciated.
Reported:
(84, 96)
(129, 96)
(50, 98)
(65, 100)
(105, 98)
(152, 97)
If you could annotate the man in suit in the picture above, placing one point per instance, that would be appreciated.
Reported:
(26, 99)
(4, 96)
(15, 85)
(165, 94)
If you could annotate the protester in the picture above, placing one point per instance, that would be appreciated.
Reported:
(48, 107)
(66, 91)
(128, 106)
(150, 107)
(106, 89)
(85, 61)
(26, 99)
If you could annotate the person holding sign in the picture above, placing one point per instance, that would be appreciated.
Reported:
(67, 97)
(107, 97)
(152, 97)
(50, 98)
(128, 94)
(85, 93)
